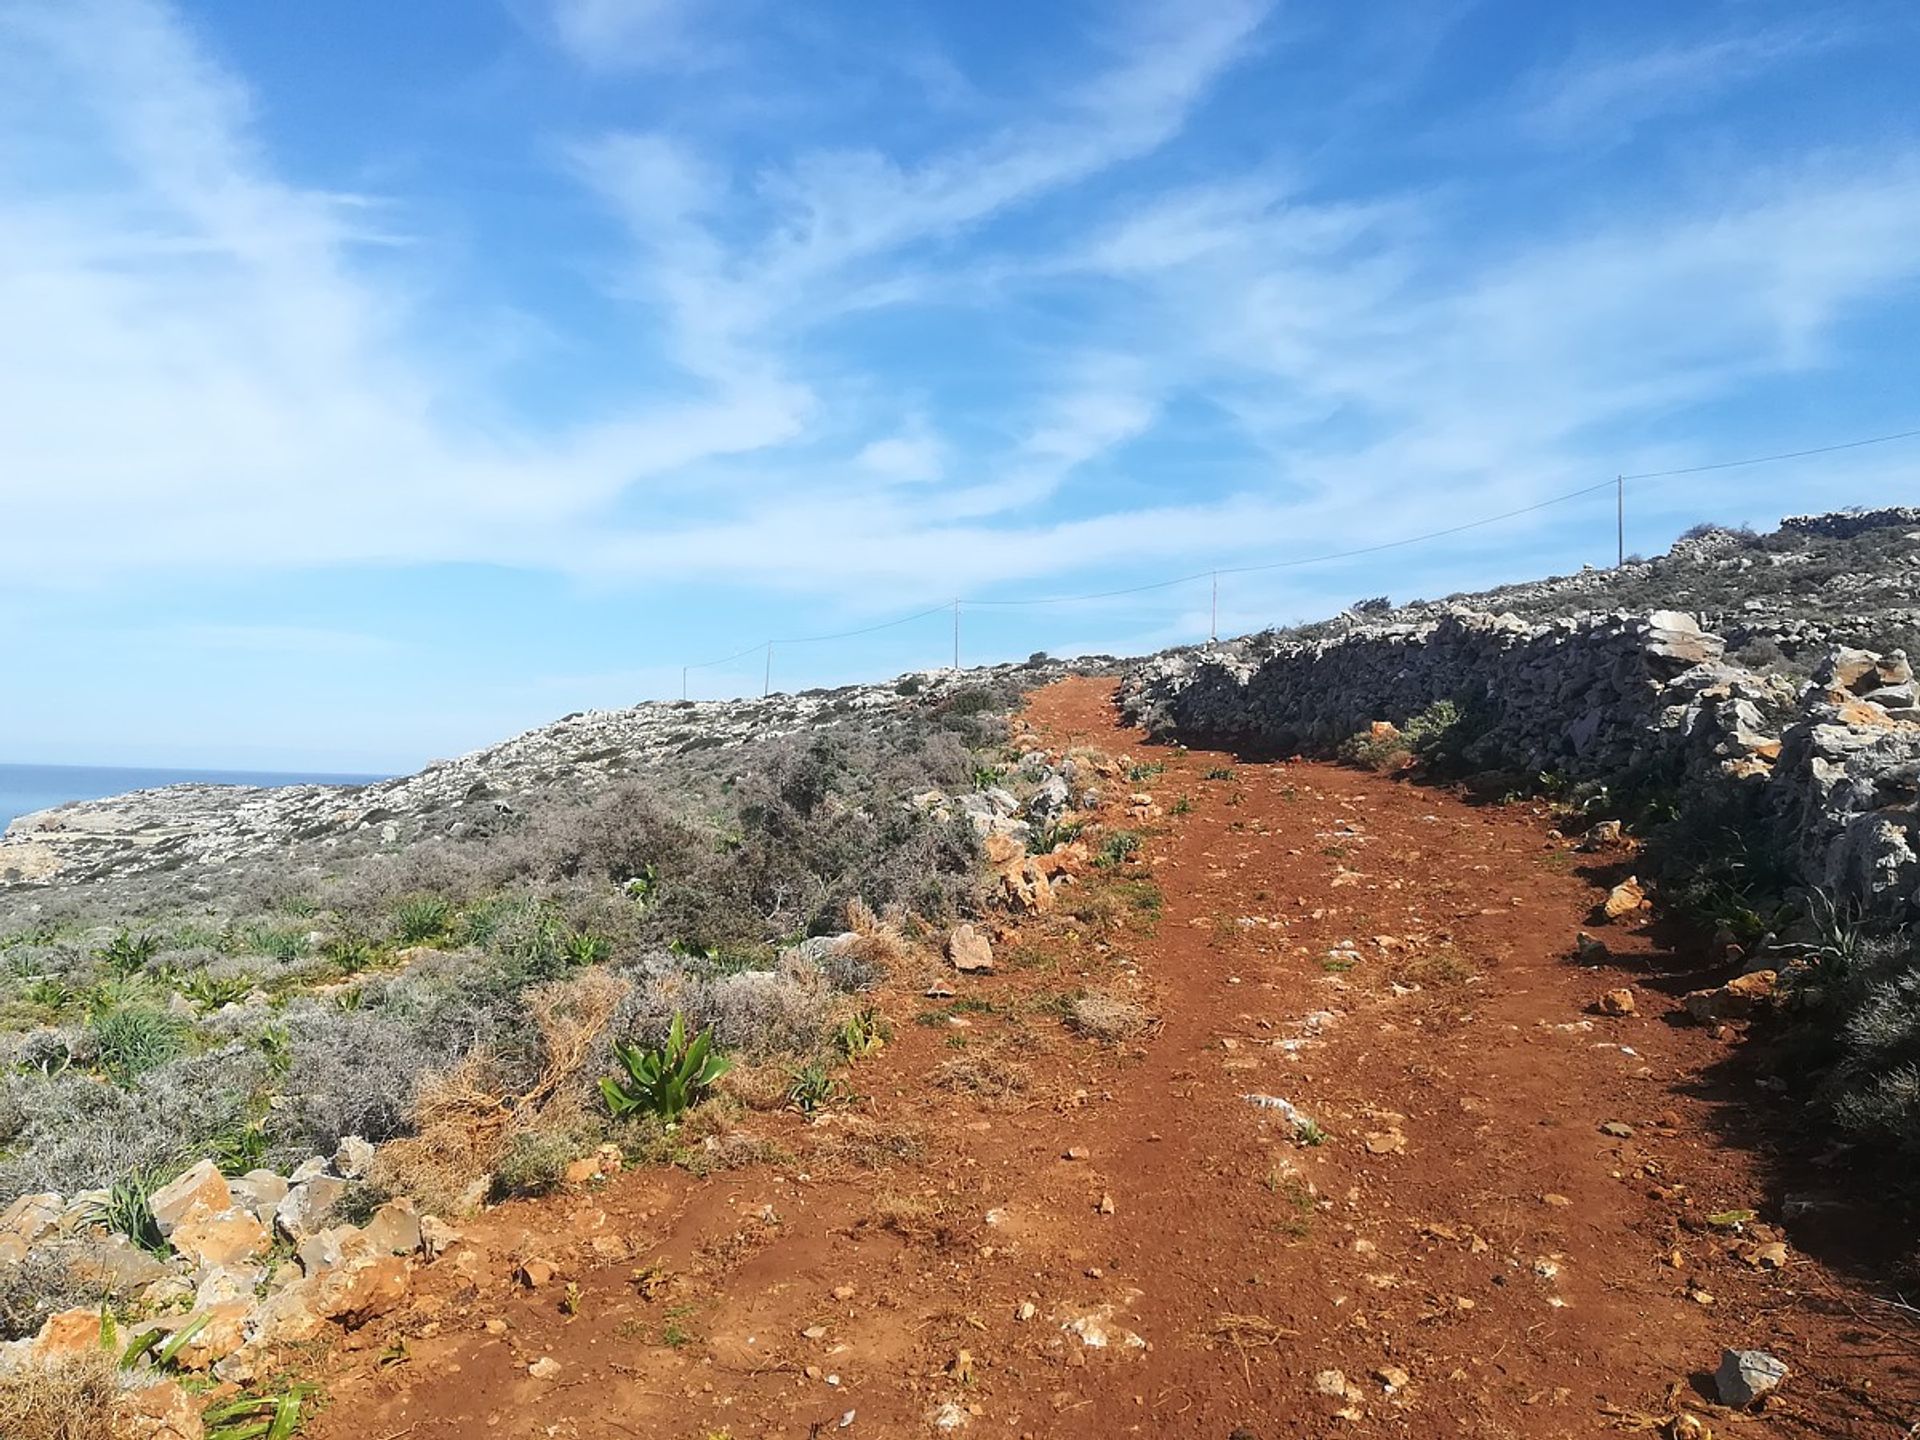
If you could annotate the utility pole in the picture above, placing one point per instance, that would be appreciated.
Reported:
(1620, 520)
(683, 682)
(956, 635)
(1213, 625)
(766, 685)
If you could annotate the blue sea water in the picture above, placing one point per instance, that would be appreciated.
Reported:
(26, 788)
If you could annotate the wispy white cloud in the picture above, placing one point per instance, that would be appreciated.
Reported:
(1602, 96)
(274, 400)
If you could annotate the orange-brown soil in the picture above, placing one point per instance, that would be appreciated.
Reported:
(1465, 1244)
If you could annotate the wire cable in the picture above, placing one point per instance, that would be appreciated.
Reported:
(1321, 559)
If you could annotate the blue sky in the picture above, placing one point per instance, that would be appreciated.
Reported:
(377, 380)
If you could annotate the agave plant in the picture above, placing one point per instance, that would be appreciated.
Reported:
(664, 1081)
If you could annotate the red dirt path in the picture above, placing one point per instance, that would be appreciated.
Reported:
(1466, 1221)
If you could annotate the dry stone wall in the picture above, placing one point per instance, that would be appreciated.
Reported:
(1835, 762)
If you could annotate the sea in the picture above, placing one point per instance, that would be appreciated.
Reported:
(26, 788)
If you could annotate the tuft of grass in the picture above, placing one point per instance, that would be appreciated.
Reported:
(125, 1211)
(813, 1088)
(863, 1033)
(131, 1039)
(1220, 772)
(1118, 849)
(69, 1399)
(422, 920)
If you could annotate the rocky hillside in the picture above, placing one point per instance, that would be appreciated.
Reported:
(573, 758)
(1779, 599)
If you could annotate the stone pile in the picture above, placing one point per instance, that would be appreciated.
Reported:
(251, 1264)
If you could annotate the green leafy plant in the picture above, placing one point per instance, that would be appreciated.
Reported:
(667, 1080)
(125, 1211)
(1143, 771)
(422, 919)
(127, 953)
(210, 992)
(48, 991)
(132, 1039)
(583, 948)
(255, 1417)
(1118, 849)
(284, 944)
(812, 1088)
(1220, 772)
(1061, 832)
(158, 1347)
(863, 1033)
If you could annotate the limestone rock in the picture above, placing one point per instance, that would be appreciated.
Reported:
(224, 1239)
(970, 951)
(1626, 900)
(353, 1158)
(1745, 1375)
(160, 1411)
(304, 1210)
(201, 1192)
(31, 1216)
(1738, 999)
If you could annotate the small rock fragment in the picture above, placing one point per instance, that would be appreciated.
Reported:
(1745, 1375)
(1626, 899)
(1617, 1002)
(970, 951)
(545, 1368)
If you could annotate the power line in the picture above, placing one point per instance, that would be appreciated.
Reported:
(1784, 455)
(1616, 484)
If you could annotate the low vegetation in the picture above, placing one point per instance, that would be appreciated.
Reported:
(459, 1000)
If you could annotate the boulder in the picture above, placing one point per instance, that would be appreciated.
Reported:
(202, 1191)
(160, 1411)
(1626, 900)
(304, 1210)
(354, 1158)
(217, 1241)
(260, 1191)
(31, 1216)
(395, 1226)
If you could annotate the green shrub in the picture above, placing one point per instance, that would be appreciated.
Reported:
(1117, 849)
(131, 1039)
(666, 1081)
(1856, 1002)
(127, 954)
(125, 1211)
(812, 1087)
(422, 919)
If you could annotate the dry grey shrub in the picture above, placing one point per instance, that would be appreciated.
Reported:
(473, 1116)
(756, 1013)
(71, 1132)
(44, 1282)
